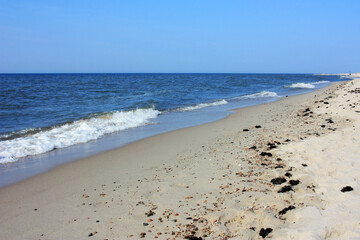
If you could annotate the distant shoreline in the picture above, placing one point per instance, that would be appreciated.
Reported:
(339, 74)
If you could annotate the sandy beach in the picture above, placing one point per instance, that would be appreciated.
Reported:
(281, 170)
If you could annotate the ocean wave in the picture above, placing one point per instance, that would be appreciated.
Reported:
(69, 134)
(319, 82)
(305, 85)
(300, 85)
(263, 94)
(202, 105)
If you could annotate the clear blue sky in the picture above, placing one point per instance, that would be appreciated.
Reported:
(180, 36)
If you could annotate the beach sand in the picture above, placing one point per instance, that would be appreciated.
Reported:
(273, 170)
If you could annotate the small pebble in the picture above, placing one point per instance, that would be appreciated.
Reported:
(347, 189)
(264, 232)
(294, 182)
(282, 212)
(285, 189)
(278, 180)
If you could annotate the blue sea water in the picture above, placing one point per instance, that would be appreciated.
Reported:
(40, 113)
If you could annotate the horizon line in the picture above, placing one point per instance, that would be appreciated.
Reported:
(172, 73)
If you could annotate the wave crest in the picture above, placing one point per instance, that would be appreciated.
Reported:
(305, 85)
(80, 131)
(320, 82)
(202, 105)
(262, 94)
(300, 85)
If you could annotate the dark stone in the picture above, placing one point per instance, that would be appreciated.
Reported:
(326, 102)
(252, 228)
(304, 165)
(278, 180)
(264, 232)
(90, 235)
(347, 189)
(287, 140)
(145, 224)
(285, 189)
(150, 213)
(282, 212)
(245, 130)
(307, 110)
(257, 126)
(294, 182)
(253, 147)
(193, 238)
(279, 166)
(273, 146)
(329, 120)
(278, 159)
(289, 175)
(265, 154)
(35, 209)
(323, 126)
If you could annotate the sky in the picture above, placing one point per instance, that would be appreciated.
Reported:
(179, 36)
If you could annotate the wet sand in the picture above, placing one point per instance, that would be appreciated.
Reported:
(272, 170)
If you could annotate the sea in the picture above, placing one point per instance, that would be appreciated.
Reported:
(50, 119)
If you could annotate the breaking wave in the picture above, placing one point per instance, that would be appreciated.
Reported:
(263, 94)
(300, 85)
(305, 85)
(32, 142)
(202, 105)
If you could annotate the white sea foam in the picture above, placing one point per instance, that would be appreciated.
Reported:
(80, 131)
(301, 85)
(305, 85)
(202, 105)
(319, 82)
(262, 94)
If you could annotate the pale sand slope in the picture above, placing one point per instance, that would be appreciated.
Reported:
(212, 180)
(333, 162)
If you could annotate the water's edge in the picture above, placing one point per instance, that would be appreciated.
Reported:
(33, 165)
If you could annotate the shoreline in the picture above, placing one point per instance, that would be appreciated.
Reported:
(198, 173)
(33, 165)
